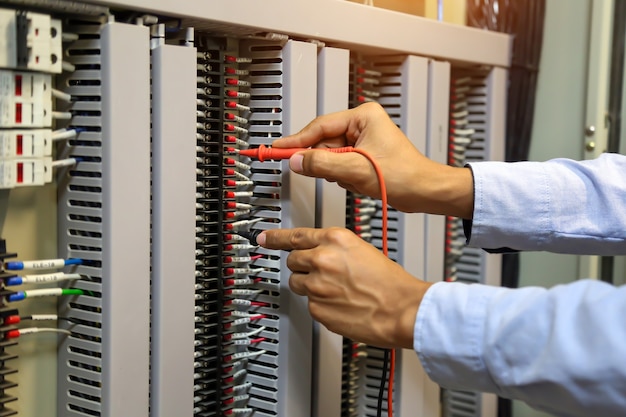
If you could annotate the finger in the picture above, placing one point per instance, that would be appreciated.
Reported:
(301, 261)
(330, 126)
(297, 283)
(289, 239)
(341, 167)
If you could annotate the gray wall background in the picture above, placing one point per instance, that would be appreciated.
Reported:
(558, 126)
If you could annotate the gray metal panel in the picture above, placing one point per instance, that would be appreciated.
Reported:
(416, 394)
(173, 230)
(333, 69)
(414, 122)
(126, 219)
(283, 96)
(437, 150)
(484, 94)
(332, 96)
(296, 340)
(403, 92)
(104, 211)
(326, 20)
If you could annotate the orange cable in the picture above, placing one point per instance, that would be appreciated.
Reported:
(383, 198)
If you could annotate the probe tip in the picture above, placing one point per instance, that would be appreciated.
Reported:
(251, 235)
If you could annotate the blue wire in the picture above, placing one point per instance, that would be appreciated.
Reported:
(19, 265)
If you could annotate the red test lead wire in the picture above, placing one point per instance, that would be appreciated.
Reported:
(263, 152)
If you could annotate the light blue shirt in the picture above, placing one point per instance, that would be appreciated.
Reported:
(561, 350)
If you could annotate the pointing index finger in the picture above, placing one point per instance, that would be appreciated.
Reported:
(324, 127)
(288, 239)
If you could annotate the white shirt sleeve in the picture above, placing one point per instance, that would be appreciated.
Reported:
(559, 206)
(562, 350)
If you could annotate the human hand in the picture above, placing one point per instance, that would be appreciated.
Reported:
(353, 289)
(414, 182)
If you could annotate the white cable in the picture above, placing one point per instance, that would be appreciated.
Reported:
(238, 119)
(366, 210)
(44, 292)
(464, 132)
(62, 115)
(246, 222)
(69, 162)
(241, 143)
(461, 90)
(241, 106)
(242, 387)
(243, 291)
(240, 165)
(245, 355)
(463, 80)
(461, 141)
(241, 281)
(45, 278)
(459, 114)
(242, 335)
(63, 134)
(243, 183)
(68, 66)
(31, 330)
(61, 95)
(44, 317)
(236, 194)
(69, 37)
(238, 129)
(459, 148)
(236, 271)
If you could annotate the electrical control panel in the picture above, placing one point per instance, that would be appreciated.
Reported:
(134, 114)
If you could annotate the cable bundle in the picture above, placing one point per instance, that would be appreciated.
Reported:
(209, 188)
(240, 318)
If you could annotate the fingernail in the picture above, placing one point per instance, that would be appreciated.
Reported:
(260, 239)
(295, 163)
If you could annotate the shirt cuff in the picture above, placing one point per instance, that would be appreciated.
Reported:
(449, 335)
(505, 209)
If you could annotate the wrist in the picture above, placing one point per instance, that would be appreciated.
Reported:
(446, 191)
(406, 323)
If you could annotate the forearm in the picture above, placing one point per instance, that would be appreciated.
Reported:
(450, 193)
(562, 346)
(559, 206)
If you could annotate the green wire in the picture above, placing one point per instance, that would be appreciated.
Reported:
(73, 292)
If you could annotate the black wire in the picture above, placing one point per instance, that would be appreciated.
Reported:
(381, 389)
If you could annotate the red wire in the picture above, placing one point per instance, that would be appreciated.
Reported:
(383, 198)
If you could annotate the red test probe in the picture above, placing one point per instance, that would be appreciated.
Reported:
(263, 152)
